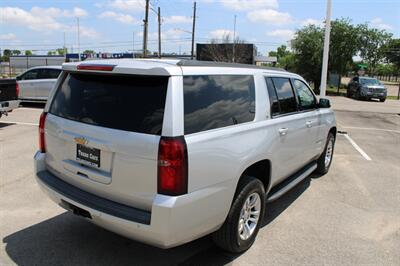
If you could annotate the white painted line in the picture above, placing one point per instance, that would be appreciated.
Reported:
(19, 123)
(366, 157)
(371, 128)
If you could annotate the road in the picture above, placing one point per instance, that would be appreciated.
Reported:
(350, 216)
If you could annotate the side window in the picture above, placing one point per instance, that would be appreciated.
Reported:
(33, 74)
(273, 98)
(305, 96)
(47, 73)
(215, 101)
(284, 91)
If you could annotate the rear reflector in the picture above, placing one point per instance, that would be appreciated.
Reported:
(17, 90)
(172, 166)
(42, 142)
(95, 67)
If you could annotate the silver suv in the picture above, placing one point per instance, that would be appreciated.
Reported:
(167, 151)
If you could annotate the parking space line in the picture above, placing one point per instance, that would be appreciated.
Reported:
(366, 157)
(370, 128)
(19, 123)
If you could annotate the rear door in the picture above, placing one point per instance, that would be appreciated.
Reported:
(289, 126)
(307, 103)
(102, 134)
(46, 80)
(26, 82)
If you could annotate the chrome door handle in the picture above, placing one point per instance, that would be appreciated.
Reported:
(283, 131)
(309, 123)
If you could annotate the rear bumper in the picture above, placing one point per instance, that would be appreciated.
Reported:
(8, 106)
(172, 221)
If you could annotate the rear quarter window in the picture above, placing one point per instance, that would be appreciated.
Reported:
(125, 102)
(216, 101)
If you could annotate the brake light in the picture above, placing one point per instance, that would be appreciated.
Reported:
(42, 142)
(172, 166)
(95, 67)
(17, 90)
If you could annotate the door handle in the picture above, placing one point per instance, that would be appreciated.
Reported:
(309, 123)
(283, 131)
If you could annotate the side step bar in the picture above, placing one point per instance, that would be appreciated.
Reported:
(291, 182)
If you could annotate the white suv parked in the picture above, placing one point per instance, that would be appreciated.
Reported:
(167, 151)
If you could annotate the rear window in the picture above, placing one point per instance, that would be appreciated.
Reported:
(215, 101)
(131, 103)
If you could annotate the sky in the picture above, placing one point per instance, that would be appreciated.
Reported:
(117, 25)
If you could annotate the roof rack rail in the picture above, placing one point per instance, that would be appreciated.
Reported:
(223, 64)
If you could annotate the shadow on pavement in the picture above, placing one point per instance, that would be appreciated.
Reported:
(68, 240)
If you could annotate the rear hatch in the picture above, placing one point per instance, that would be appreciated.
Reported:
(103, 132)
(8, 90)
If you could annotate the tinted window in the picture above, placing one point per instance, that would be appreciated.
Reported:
(32, 74)
(304, 95)
(286, 98)
(49, 73)
(217, 101)
(132, 103)
(273, 98)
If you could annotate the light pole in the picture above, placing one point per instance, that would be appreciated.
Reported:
(326, 48)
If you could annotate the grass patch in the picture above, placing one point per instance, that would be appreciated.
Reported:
(391, 97)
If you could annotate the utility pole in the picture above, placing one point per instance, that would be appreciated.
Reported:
(159, 32)
(146, 21)
(234, 39)
(79, 41)
(326, 48)
(133, 45)
(193, 28)
(65, 47)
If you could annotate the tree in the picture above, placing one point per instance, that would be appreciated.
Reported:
(28, 52)
(307, 47)
(16, 52)
(88, 52)
(223, 51)
(392, 52)
(61, 51)
(372, 45)
(51, 53)
(6, 55)
(344, 45)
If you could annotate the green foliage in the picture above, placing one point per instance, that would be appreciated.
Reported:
(307, 47)
(28, 52)
(61, 51)
(344, 44)
(392, 52)
(372, 45)
(88, 52)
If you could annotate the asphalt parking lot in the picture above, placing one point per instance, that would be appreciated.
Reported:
(351, 216)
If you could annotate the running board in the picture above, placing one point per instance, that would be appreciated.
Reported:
(291, 182)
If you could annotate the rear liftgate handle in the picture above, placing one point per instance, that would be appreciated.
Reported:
(309, 123)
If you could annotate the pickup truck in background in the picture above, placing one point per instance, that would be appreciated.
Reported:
(9, 91)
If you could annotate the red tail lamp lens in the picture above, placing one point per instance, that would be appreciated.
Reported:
(42, 142)
(172, 166)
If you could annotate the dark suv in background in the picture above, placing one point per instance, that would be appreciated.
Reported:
(366, 88)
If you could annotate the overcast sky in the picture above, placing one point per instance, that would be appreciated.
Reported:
(111, 25)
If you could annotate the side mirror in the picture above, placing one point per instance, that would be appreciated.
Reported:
(324, 103)
(18, 77)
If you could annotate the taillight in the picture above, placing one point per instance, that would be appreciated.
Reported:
(42, 142)
(17, 90)
(172, 166)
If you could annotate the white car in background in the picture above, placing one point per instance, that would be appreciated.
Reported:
(36, 83)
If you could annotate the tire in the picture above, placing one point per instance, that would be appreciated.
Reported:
(348, 94)
(358, 95)
(228, 237)
(382, 100)
(322, 165)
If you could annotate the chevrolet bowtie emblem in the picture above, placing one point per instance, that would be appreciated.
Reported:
(81, 140)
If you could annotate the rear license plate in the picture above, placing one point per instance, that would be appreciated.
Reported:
(88, 155)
